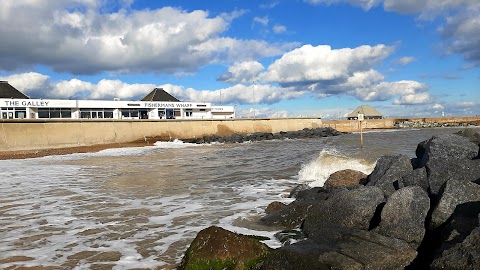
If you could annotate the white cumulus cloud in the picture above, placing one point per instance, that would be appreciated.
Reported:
(460, 28)
(79, 37)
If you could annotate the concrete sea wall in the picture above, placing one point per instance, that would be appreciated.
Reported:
(17, 135)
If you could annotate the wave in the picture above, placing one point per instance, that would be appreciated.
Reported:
(174, 144)
(317, 171)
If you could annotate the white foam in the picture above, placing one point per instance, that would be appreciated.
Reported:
(317, 171)
(175, 144)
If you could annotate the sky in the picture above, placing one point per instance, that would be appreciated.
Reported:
(278, 58)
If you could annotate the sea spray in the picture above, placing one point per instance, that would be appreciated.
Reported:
(317, 171)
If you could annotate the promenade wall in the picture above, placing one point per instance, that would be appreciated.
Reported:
(16, 135)
(354, 125)
(33, 134)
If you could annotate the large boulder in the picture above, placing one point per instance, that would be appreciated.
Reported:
(347, 208)
(403, 216)
(217, 248)
(460, 225)
(439, 172)
(344, 178)
(448, 148)
(470, 134)
(388, 173)
(289, 216)
(465, 255)
(455, 193)
(342, 248)
(417, 177)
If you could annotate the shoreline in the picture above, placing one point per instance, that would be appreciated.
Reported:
(24, 154)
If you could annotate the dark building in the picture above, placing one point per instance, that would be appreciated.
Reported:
(8, 91)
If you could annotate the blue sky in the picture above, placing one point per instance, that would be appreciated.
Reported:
(280, 58)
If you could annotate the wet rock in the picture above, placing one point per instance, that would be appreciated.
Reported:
(403, 216)
(348, 208)
(217, 248)
(388, 173)
(297, 189)
(316, 193)
(344, 178)
(261, 136)
(275, 207)
(342, 248)
(455, 193)
(291, 216)
(288, 237)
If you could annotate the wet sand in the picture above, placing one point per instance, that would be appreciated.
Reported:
(68, 150)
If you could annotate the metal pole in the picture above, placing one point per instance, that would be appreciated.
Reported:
(361, 135)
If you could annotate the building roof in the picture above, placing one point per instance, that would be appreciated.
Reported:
(8, 91)
(158, 94)
(366, 110)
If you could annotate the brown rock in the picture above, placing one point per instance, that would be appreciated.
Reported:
(344, 178)
(274, 207)
(217, 248)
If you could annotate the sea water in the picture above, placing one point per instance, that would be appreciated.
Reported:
(141, 207)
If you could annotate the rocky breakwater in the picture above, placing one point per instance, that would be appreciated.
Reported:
(425, 124)
(262, 136)
(420, 213)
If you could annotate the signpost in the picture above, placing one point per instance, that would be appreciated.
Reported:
(360, 118)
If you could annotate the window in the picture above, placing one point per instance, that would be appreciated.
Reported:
(96, 113)
(188, 113)
(54, 113)
(129, 113)
(10, 112)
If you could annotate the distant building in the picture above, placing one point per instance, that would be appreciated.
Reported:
(368, 113)
(158, 104)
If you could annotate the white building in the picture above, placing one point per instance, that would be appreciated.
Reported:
(156, 105)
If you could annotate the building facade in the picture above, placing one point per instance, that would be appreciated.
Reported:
(25, 108)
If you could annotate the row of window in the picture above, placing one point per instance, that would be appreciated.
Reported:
(10, 113)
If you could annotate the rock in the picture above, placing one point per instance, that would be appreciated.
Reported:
(290, 236)
(217, 248)
(420, 151)
(403, 216)
(290, 216)
(448, 148)
(342, 248)
(471, 135)
(275, 207)
(347, 208)
(463, 221)
(316, 193)
(465, 255)
(295, 191)
(388, 173)
(261, 136)
(344, 178)
(417, 177)
(439, 172)
(455, 193)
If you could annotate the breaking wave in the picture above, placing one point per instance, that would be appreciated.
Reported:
(317, 171)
